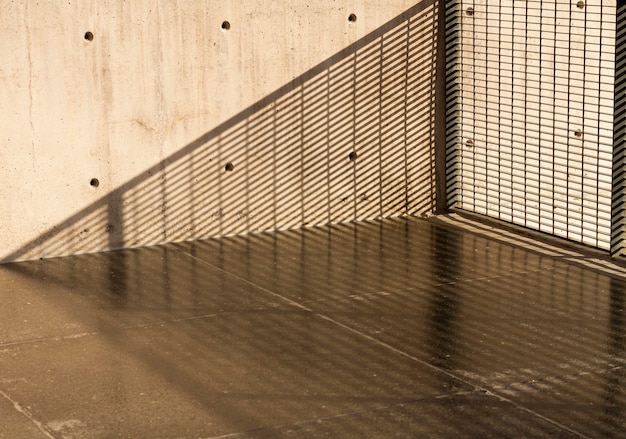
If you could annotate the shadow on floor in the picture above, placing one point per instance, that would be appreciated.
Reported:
(394, 328)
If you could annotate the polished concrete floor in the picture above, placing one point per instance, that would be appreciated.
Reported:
(396, 328)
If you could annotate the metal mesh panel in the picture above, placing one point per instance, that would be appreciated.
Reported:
(535, 98)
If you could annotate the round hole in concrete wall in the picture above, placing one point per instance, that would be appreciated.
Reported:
(225, 25)
(578, 133)
(351, 18)
(469, 11)
(580, 5)
(469, 143)
(94, 182)
(229, 167)
(353, 156)
(89, 36)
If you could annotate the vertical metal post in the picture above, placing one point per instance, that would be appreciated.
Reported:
(441, 204)
(618, 208)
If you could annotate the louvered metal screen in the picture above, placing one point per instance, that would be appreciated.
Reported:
(530, 114)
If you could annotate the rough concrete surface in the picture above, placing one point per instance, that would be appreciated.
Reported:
(130, 123)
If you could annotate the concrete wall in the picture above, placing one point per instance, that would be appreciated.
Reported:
(131, 123)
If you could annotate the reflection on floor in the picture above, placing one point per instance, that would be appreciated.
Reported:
(395, 328)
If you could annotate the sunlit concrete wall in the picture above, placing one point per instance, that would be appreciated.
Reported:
(131, 123)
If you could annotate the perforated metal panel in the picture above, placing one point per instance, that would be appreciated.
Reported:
(531, 103)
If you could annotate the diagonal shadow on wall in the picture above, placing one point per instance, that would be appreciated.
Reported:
(350, 139)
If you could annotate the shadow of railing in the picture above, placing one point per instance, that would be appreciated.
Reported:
(350, 139)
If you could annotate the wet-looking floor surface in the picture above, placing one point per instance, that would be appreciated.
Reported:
(395, 328)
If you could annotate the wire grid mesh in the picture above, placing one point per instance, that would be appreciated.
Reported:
(531, 143)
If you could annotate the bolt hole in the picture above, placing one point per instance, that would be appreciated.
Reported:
(351, 18)
(581, 5)
(229, 167)
(469, 12)
(89, 36)
(353, 156)
(225, 25)
(94, 182)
